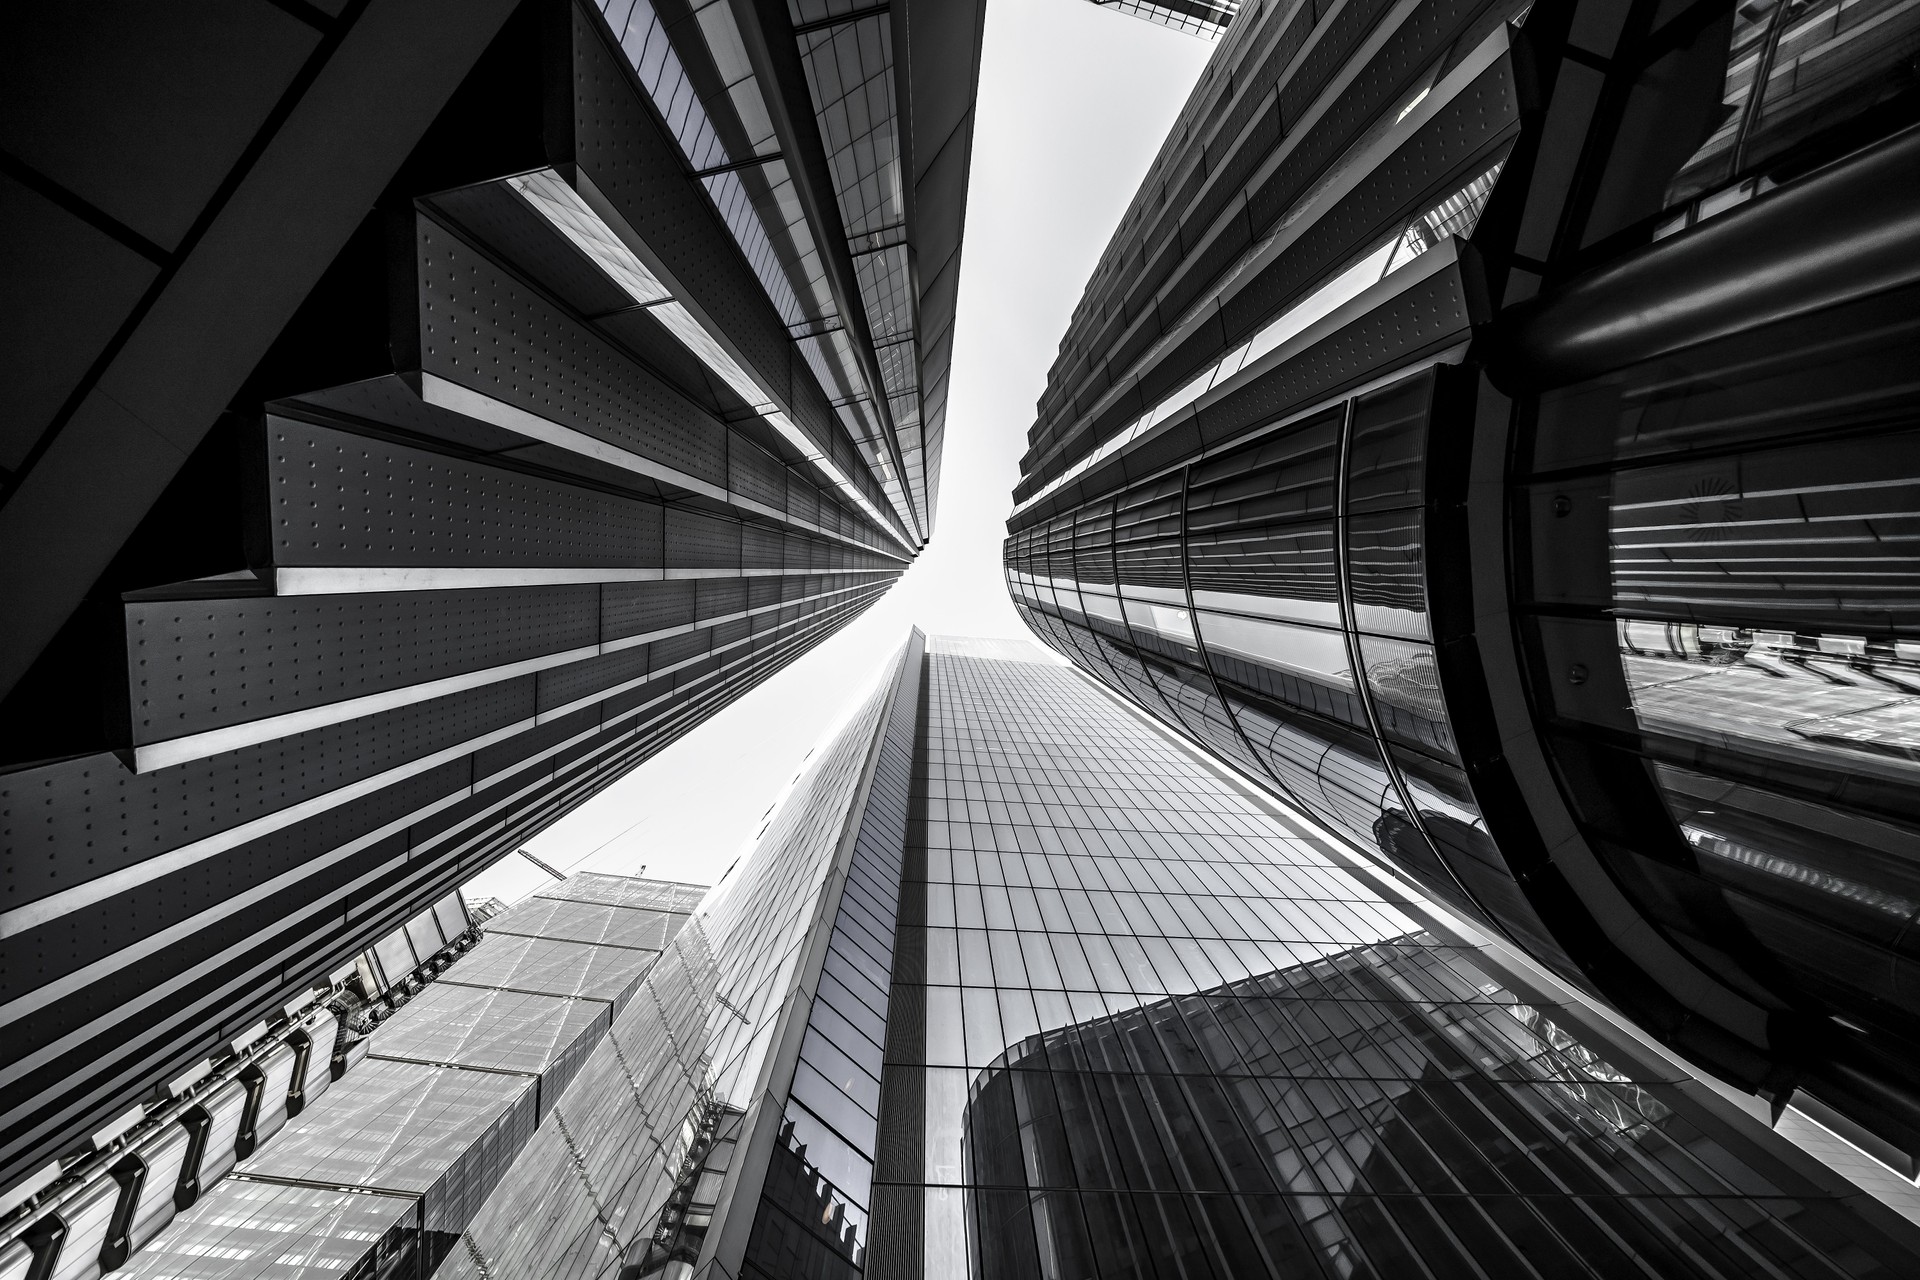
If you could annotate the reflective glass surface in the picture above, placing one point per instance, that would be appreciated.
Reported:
(1141, 1028)
(1723, 556)
(1272, 605)
(628, 1168)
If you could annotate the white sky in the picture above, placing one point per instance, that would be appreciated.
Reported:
(1074, 102)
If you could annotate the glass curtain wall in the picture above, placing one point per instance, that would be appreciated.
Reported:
(1270, 602)
(1721, 576)
(630, 1169)
(1142, 1028)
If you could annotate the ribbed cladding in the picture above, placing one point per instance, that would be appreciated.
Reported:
(1430, 309)
(273, 947)
(1408, 51)
(450, 1203)
(198, 665)
(1302, 82)
(640, 172)
(1460, 137)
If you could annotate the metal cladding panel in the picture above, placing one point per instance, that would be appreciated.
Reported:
(247, 1230)
(721, 597)
(87, 1217)
(510, 755)
(498, 217)
(1408, 50)
(675, 650)
(199, 910)
(696, 540)
(340, 499)
(226, 1107)
(391, 1126)
(563, 685)
(636, 608)
(477, 1027)
(165, 1158)
(484, 330)
(121, 819)
(550, 966)
(762, 548)
(197, 665)
(754, 473)
(627, 891)
(276, 1068)
(1420, 318)
(589, 922)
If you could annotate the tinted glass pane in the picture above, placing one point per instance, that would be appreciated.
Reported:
(1386, 573)
(1386, 460)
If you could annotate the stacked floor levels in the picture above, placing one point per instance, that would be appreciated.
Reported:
(418, 416)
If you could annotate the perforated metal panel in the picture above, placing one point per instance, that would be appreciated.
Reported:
(484, 330)
(699, 541)
(196, 665)
(344, 499)
(67, 823)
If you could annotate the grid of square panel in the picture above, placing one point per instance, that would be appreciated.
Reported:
(1270, 603)
(1159, 1034)
(814, 1211)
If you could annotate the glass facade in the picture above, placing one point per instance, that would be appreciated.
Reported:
(1148, 1029)
(1490, 431)
(1270, 601)
(737, 1044)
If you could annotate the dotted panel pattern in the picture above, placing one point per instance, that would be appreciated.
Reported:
(762, 548)
(699, 541)
(721, 596)
(288, 938)
(195, 665)
(635, 608)
(483, 329)
(676, 649)
(576, 680)
(754, 473)
(727, 633)
(65, 823)
(339, 499)
(489, 761)
(31, 959)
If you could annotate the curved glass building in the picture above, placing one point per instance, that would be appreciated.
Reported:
(1492, 429)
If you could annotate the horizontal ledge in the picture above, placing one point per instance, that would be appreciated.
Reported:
(444, 394)
(198, 746)
(317, 580)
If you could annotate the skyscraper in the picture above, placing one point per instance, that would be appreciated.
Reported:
(1016, 984)
(417, 416)
(1490, 427)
